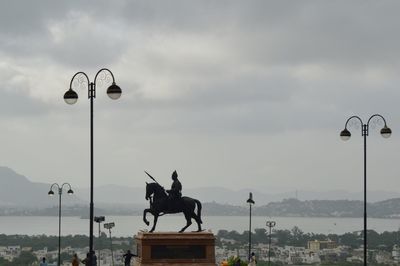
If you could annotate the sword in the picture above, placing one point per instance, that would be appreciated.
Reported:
(152, 178)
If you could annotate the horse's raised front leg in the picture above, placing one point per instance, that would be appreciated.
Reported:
(144, 216)
(155, 222)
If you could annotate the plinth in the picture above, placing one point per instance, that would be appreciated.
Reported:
(175, 249)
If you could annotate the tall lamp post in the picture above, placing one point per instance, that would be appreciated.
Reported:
(51, 193)
(109, 226)
(71, 97)
(345, 135)
(270, 224)
(250, 201)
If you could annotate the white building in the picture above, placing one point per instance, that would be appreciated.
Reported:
(396, 253)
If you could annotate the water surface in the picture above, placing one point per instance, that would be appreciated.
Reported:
(129, 225)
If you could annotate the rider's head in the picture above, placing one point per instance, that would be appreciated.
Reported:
(174, 175)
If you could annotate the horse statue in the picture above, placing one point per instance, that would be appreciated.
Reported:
(160, 205)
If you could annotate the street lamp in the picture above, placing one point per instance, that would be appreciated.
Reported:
(345, 135)
(99, 219)
(270, 224)
(109, 226)
(51, 193)
(71, 97)
(250, 201)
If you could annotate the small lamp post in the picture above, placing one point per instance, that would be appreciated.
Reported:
(250, 201)
(270, 224)
(345, 135)
(99, 219)
(109, 226)
(51, 193)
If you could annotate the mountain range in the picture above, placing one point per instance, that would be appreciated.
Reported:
(18, 192)
(129, 195)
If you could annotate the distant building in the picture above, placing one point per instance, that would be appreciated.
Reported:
(26, 249)
(120, 242)
(228, 240)
(14, 249)
(396, 253)
(318, 245)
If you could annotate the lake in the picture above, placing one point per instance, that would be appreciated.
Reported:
(129, 225)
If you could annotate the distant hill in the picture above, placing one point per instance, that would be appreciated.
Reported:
(313, 208)
(16, 191)
(114, 194)
(19, 195)
(135, 195)
(330, 208)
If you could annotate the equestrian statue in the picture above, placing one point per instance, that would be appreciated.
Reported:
(171, 201)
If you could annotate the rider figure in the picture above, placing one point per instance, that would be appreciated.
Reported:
(174, 194)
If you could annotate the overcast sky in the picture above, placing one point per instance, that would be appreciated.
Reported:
(238, 94)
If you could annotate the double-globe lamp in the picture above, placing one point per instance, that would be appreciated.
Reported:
(69, 192)
(51, 193)
(345, 135)
(386, 132)
(114, 92)
(71, 97)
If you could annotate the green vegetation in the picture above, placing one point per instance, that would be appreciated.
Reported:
(233, 260)
(296, 237)
(51, 242)
(25, 259)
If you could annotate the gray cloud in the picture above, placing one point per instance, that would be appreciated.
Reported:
(223, 90)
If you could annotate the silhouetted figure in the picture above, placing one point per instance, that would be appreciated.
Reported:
(176, 188)
(238, 262)
(253, 260)
(43, 262)
(75, 260)
(127, 257)
(175, 193)
(94, 262)
(86, 260)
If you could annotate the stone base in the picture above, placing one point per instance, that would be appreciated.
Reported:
(175, 249)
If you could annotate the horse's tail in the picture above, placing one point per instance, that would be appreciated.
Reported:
(198, 203)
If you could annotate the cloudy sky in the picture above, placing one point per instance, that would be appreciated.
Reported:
(238, 94)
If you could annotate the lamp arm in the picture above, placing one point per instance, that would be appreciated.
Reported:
(355, 117)
(376, 115)
(76, 74)
(101, 70)
(66, 184)
(54, 184)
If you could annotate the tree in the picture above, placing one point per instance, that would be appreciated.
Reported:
(233, 260)
(297, 237)
(260, 235)
(24, 259)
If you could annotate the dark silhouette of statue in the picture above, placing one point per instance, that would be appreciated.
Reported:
(171, 201)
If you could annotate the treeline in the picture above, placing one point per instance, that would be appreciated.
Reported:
(74, 210)
(296, 237)
(329, 208)
(309, 208)
(51, 242)
(293, 237)
(25, 258)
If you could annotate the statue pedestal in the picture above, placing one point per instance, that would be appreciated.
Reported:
(175, 249)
